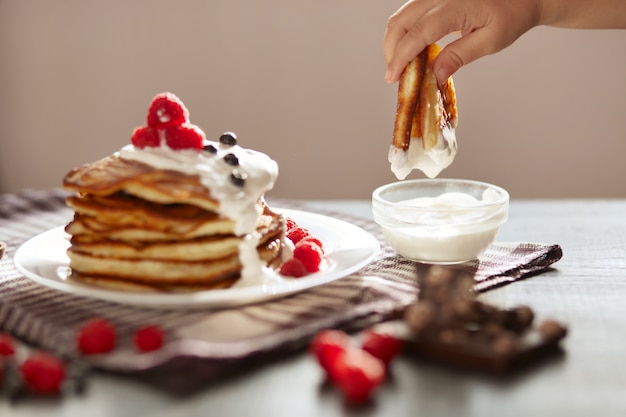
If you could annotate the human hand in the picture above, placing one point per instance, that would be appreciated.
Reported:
(485, 26)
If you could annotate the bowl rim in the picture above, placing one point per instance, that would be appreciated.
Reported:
(503, 199)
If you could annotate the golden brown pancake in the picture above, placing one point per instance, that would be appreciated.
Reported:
(426, 118)
(119, 284)
(113, 174)
(423, 106)
(136, 228)
(166, 274)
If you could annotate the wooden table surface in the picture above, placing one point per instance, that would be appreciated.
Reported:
(586, 290)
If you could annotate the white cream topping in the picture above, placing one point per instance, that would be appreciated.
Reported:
(252, 265)
(430, 162)
(238, 203)
(235, 202)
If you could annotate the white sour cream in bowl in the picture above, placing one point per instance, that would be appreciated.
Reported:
(440, 221)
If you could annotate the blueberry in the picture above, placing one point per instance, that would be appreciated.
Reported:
(228, 138)
(231, 159)
(210, 149)
(238, 177)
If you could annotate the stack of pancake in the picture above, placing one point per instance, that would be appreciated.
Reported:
(137, 228)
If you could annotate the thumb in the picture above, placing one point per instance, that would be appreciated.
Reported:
(461, 52)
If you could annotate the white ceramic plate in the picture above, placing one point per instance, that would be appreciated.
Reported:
(348, 248)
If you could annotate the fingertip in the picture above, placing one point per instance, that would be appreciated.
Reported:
(389, 76)
(461, 52)
(388, 79)
(443, 69)
(441, 75)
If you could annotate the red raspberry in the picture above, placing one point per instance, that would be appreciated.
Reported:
(167, 110)
(145, 137)
(297, 234)
(43, 373)
(96, 336)
(309, 254)
(326, 346)
(313, 240)
(184, 137)
(290, 223)
(149, 338)
(293, 268)
(382, 346)
(358, 374)
(7, 347)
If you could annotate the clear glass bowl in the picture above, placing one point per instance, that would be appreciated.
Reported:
(440, 221)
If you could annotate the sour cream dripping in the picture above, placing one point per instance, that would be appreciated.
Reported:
(235, 177)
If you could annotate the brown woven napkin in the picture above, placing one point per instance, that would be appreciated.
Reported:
(209, 343)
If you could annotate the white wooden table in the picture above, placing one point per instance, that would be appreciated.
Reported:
(586, 290)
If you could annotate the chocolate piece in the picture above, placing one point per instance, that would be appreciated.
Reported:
(448, 325)
(524, 316)
(504, 343)
(210, 149)
(3, 247)
(552, 330)
(420, 316)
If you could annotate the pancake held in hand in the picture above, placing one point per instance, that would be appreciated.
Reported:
(426, 118)
(173, 211)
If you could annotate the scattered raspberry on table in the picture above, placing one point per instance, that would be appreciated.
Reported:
(43, 373)
(358, 374)
(326, 346)
(96, 336)
(382, 346)
(7, 346)
(149, 338)
(356, 368)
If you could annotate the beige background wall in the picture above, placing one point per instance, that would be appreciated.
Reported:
(301, 80)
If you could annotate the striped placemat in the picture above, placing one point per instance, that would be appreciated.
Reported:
(213, 341)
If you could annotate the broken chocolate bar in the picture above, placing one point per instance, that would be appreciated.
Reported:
(449, 325)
